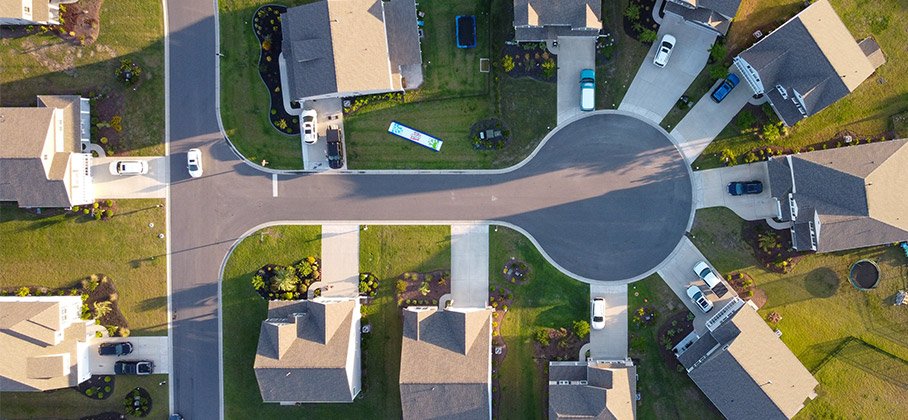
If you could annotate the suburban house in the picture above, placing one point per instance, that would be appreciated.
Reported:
(338, 48)
(715, 15)
(44, 342)
(446, 363)
(41, 159)
(808, 63)
(593, 390)
(309, 351)
(31, 12)
(746, 370)
(546, 20)
(843, 198)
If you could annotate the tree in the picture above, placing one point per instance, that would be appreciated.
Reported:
(424, 288)
(771, 133)
(718, 52)
(284, 279)
(581, 328)
(102, 308)
(632, 12)
(648, 36)
(718, 71)
(258, 283)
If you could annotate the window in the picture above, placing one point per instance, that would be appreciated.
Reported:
(26, 9)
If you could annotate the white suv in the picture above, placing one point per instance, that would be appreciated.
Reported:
(598, 314)
(309, 125)
(129, 167)
(665, 51)
(699, 299)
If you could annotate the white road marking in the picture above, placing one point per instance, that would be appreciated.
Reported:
(274, 185)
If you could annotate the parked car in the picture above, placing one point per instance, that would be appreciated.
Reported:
(335, 148)
(697, 297)
(706, 274)
(724, 88)
(741, 187)
(587, 90)
(115, 349)
(134, 368)
(194, 162)
(310, 126)
(598, 313)
(129, 167)
(665, 51)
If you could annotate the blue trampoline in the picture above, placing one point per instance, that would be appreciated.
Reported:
(466, 31)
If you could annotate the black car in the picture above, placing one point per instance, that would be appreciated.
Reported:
(335, 149)
(115, 349)
(741, 188)
(134, 368)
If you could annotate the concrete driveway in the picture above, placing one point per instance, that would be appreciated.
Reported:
(470, 265)
(340, 260)
(154, 349)
(711, 190)
(654, 91)
(707, 119)
(575, 53)
(151, 185)
(330, 113)
(610, 343)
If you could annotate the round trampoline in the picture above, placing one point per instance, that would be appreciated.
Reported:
(864, 275)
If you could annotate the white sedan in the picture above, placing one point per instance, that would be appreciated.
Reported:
(310, 126)
(194, 162)
(665, 51)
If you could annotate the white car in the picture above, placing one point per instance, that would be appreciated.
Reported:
(706, 274)
(129, 167)
(598, 313)
(665, 51)
(194, 162)
(697, 297)
(309, 125)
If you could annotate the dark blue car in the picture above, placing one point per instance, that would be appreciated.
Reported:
(741, 188)
(725, 88)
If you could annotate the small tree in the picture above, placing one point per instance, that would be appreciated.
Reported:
(718, 71)
(581, 329)
(746, 120)
(718, 52)
(284, 279)
(101, 309)
(424, 288)
(632, 12)
(771, 133)
(648, 36)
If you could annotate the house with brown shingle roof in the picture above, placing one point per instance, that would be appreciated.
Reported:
(339, 48)
(309, 351)
(593, 389)
(843, 198)
(808, 63)
(446, 363)
(44, 343)
(31, 12)
(544, 20)
(41, 159)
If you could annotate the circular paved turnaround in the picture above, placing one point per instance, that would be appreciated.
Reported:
(641, 209)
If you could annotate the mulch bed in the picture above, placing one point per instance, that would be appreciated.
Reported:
(268, 272)
(438, 281)
(81, 24)
(266, 24)
(495, 132)
(516, 271)
(675, 328)
(634, 28)
(99, 386)
(563, 345)
(529, 61)
(110, 415)
(137, 402)
(745, 287)
(780, 257)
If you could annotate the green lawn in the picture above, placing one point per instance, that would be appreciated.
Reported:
(822, 312)
(46, 65)
(549, 299)
(69, 403)
(614, 76)
(449, 71)
(58, 251)
(666, 393)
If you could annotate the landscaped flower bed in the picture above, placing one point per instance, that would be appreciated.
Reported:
(529, 59)
(422, 289)
(266, 23)
(675, 329)
(278, 282)
(771, 247)
(560, 344)
(98, 387)
(745, 287)
(638, 21)
(517, 272)
(137, 402)
(368, 284)
(489, 134)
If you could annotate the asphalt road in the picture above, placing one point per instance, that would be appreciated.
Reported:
(608, 197)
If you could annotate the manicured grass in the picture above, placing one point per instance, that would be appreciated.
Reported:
(59, 251)
(614, 77)
(665, 392)
(549, 299)
(448, 70)
(38, 65)
(821, 311)
(69, 403)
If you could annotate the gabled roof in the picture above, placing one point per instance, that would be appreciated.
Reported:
(571, 13)
(727, 8)
(609, 392)
(704, 16)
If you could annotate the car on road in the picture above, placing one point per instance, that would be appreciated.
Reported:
(587, 90)
(335, 148)
(742, 187)
(706, 274)
(724, 88)
(598, 313)
(665, 51)
(115, 349)
(129, 167)
(142, 367)
(697, 297)
(194, 162)
(309, 126)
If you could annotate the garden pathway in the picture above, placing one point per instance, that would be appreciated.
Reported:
(610, 343)
(152, 348)
(470, 265)
(575, 53)
(340, 260)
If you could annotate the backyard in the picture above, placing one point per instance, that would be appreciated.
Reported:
(855, 343)
(44, 64)
(623, 59)
(69, 403)
(58, 249)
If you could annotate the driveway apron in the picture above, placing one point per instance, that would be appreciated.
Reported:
(711, 190)
(610, 343)
(470, 265)
(340, 260)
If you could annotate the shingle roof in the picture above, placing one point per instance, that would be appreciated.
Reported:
(610, 392)
(573, 13)
(703, 16)
(532, 34)
(403, 43)
(727, 8)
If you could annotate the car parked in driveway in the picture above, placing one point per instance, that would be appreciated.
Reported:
(706, 274)
(697, 297)
(115, 349)
(587, 90)
(748, 187)
(129, 167)
(335, 148)
(665, 51)
(142, 367)
(194, 162)
(598, 313)
(724, 88)
(309, 126)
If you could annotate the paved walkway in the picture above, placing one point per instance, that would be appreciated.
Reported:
(654, 91)
(575, 53)
(340, 260)
(610, 343)
(151, 185)
(153, 348)
(470, 265)
(711, 190)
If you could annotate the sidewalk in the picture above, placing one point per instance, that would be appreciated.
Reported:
(340, 260)
(470, 265)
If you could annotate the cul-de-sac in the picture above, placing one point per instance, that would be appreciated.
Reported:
(440, 209)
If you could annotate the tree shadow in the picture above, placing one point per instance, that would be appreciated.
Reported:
(822, 282)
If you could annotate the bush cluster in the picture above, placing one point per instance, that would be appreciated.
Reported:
(368, 284)
(277, 282)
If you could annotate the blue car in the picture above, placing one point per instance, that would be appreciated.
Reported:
(725, 88)
(742, 188)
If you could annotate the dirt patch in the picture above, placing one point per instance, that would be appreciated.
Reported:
(516, 272)
(422, 289)
(81, 21)
(529, 59)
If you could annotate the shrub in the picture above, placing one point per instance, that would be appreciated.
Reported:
(581, 329)
(107, 388)
(112, 330)
(507, 63)
(90, 391)
(746, 120)
(128, 72)
(107, 379)
(648, 36)
(284, 279)
(718, 71)
(23, 291)
(632, 12)
(401, 286)
(258, 283)
(98, 334)
(718, 52)
(91, 283)
(124, 332)
(108, 213)
(549, 68)
(424, 288)
(728, 157)
(101, 309)
(541, 335)
(771, 133)
(363, 287)
(98, 216)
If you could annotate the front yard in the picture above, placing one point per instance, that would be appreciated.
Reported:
(69, 403)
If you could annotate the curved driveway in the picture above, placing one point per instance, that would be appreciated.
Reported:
(607, 198)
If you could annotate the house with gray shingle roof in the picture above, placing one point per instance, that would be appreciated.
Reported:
(843, 198)
(808, 63)
(746, 370)
(542, 20)
(593, 390)
(715, 15)
(41, 158)
(309, 351)
(31, 12)
(338, 48)
(446, 363)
